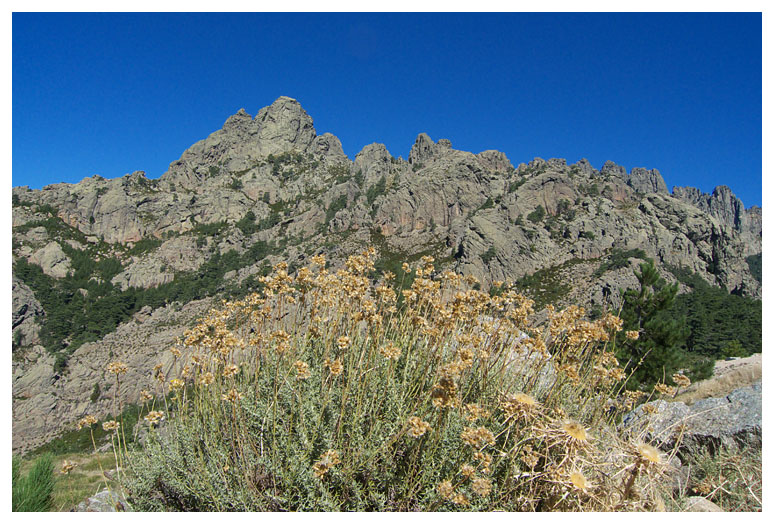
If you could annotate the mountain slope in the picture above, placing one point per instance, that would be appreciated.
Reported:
(116, 269)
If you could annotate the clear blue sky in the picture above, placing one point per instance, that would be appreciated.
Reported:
(114, 93)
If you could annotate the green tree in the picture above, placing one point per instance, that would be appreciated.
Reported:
(537, 215)
(656, 354)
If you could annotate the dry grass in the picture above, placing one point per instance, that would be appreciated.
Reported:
(729, 376)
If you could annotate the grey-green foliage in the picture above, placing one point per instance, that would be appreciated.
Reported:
(32, 493)
(537, 215)
(270, 468)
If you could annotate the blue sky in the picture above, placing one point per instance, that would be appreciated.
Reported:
(114, 93)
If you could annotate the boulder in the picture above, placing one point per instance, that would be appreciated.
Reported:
(731, 422)
(104, 501)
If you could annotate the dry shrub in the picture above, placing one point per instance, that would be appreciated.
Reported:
(321, 393)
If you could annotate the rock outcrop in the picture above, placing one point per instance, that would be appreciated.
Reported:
(711, 423)
(26, 314)
(269, 187)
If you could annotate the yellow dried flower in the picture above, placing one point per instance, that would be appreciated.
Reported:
(175, 351)
(445, 489)
(477, 437)
(475, 412)
(335, 367)
(482, 486)
(67, 467)
(206, 379)
(579, 481)
(232, 396)
(681, 380)
(86, 421)
(390, 351)
(329, 459)
(632, 334)
(664, 389)
(343, 343)
(648, 453)
(575, 430)
(110, 425)
(302, 370)
(154, 417)
(230, 370)
(418, 427)
(460, 499)
(529, 457)
(117, 367)
(177, 384)
(468, 471)
(145, 395)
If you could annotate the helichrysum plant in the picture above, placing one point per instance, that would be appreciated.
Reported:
(322, 393)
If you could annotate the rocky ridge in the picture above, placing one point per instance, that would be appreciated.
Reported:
(271, 180)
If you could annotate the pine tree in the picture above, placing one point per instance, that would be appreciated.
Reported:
(657, 353)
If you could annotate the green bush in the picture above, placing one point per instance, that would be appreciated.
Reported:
(537, 215)
(32, 493)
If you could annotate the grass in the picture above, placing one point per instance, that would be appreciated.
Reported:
(732, 479)
(32, 488)
(83, 481)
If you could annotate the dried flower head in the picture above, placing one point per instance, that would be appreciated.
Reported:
(445, 489)
(343, 342)
(468, 471)
(206, 379)
(232, 396)
(665, 389)
(302, 370)
(418, 427)
(482, 486)
(579, 481)
(145, 395)
(154, 417)
(648, 453)
(632, 335)
(474, 412)
(477, 437)
(67, 467)
(117, 367)
(329, 459)
(335, 366)
(86, 421)
(110, 425)
(460, 499)
(390, 351)
(177, 384)
(175, 351)
(230, 370)
(575, 430)
(681, 380)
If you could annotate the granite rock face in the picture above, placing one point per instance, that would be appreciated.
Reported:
(710, 423)
(27, 314)
(273, 178)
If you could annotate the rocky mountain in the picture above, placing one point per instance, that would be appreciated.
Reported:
(150, 254)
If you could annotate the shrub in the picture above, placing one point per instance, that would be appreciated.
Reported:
(537, 215)
(32, 493)
(319, 393)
